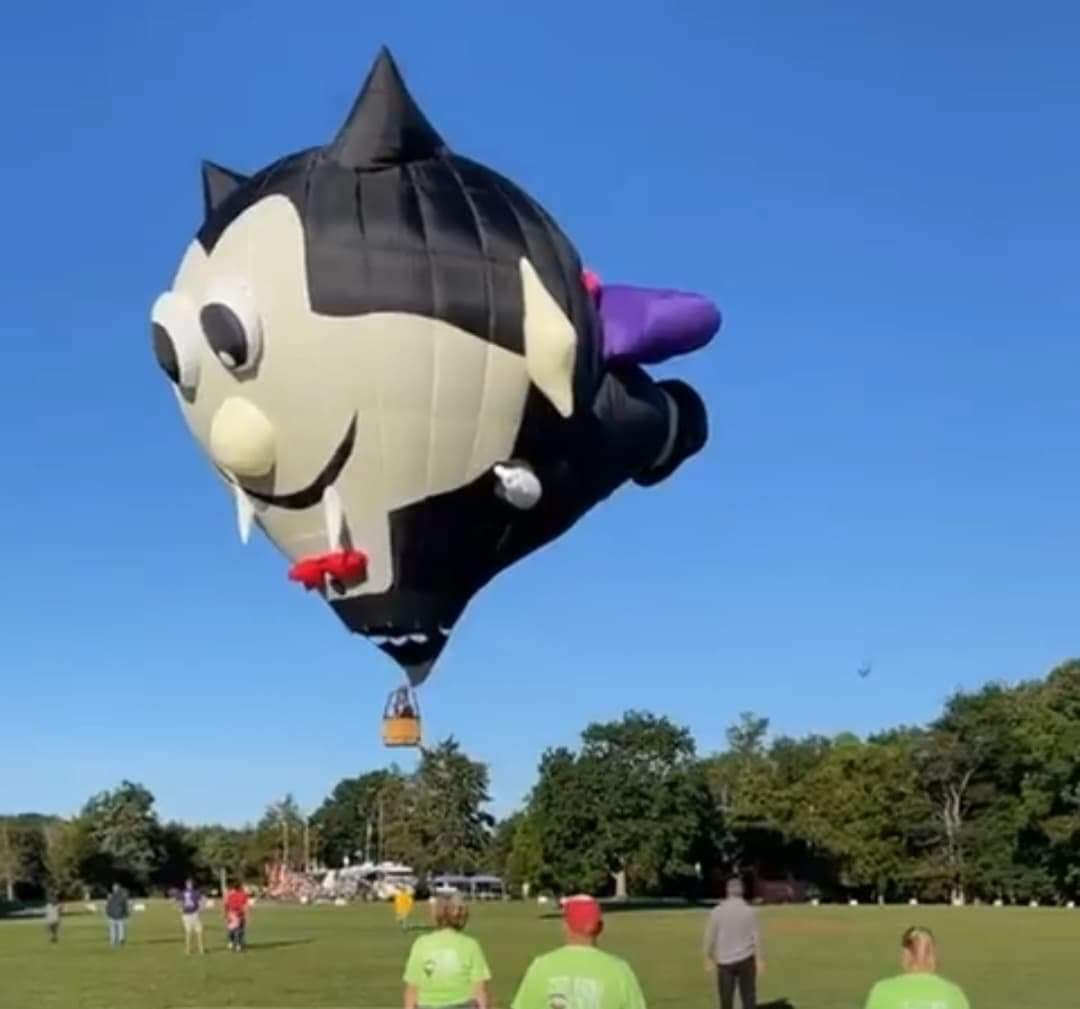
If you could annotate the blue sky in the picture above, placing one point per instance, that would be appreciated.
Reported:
(882, 201)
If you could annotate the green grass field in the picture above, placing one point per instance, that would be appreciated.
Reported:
(323, 957)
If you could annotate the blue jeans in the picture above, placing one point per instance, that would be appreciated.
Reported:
(117, 931)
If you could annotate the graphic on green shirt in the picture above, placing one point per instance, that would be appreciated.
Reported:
(916, 991)
(579, 977)
(445, 967)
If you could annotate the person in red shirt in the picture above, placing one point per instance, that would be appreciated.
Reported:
(236, 906)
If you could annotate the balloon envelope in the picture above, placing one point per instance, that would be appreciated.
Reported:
(393, 358)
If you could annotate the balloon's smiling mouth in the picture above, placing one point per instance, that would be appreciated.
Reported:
(312, 494)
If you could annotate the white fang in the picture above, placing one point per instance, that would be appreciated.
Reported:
(334, 516)
(245, 513)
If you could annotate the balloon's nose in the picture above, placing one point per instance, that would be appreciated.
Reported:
(242, 438)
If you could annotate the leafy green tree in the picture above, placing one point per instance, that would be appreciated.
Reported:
(501, 842)
(451, 827)
(220, 854)
(394, 834)
(1049, 726)
(279, 836)
(22, 855)
(11, 859)
(971, 764)
(73, 863)
(349, 821)
(748, 787)
(862, 805)
(524, 864)
(630, 811)
(177, 861)
(126, 835)
(565, 809)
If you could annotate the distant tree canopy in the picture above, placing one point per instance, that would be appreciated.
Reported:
(628, 811)
(982, 803)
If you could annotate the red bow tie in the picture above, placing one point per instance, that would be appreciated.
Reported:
(343, 565)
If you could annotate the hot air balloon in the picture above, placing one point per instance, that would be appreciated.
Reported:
(394, 359)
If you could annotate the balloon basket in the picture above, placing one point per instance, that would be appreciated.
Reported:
(401, 719)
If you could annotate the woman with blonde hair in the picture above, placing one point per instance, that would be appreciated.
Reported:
(447, 969)
(919, 984)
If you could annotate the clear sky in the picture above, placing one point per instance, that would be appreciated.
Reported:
(881, 197)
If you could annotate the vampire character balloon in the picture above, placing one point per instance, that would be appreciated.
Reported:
(394, 359)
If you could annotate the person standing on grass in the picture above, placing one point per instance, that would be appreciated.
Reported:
(579, 975)
(733, 948)
(190, 905)
(117, 910)
(919, 986)
(447, 968)
(53, 912)
(403, 905)
(236, 909)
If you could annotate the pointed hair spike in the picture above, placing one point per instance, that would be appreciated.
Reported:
(218, 185)
(385, 125)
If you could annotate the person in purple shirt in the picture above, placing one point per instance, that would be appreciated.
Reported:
(190, 901)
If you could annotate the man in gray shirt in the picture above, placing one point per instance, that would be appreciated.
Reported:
(116, 911)
(733, 948)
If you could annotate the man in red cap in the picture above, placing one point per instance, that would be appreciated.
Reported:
(579, 975)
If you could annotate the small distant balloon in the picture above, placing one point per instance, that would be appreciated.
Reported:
(864, 670)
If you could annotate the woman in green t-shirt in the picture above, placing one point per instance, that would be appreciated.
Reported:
(920, 984)
(447, 969)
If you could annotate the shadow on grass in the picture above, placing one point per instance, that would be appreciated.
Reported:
(254, 947)
(645, 904)
(212, 948)
(38, 912)
(780, 1003)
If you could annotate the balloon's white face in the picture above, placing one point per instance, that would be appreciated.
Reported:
(323, 426)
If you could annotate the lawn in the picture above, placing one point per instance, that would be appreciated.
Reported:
(323, 957)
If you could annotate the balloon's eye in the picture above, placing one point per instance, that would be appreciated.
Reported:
(232, 326)
(165, 352)
(175, 337)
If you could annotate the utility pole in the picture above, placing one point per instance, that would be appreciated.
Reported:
(307, 844)
(285, 837)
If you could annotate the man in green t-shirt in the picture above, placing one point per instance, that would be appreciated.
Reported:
(579, 975)
(446, 967)
(919, 987)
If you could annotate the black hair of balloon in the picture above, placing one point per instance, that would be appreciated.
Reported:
(395, 222)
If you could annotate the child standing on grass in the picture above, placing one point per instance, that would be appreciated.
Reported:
(403, 905)
(236, 905)
(233, 925)
(52, 919)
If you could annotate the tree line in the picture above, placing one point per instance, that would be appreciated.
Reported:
(981, 804)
